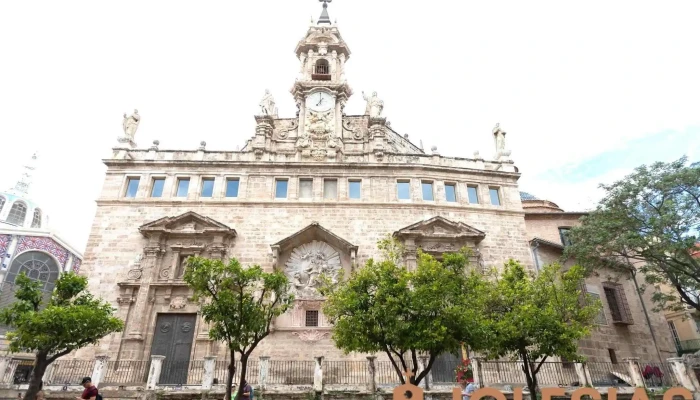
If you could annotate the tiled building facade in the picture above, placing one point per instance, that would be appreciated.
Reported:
(308, 194)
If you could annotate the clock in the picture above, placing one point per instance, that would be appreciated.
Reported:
(320, 101)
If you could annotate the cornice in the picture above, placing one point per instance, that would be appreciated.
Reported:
(481, 209)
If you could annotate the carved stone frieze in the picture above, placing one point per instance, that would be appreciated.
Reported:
(311, 335)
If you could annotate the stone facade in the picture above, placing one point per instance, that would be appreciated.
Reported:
(609, 340)
(305, 195)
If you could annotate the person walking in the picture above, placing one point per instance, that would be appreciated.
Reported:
(90, 392)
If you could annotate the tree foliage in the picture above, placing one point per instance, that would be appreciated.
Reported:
(384, 307)
(238, 303)
(71, 319)
(650, 220)
(532, 318)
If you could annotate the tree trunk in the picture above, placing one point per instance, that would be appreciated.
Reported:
(229, 377)
(35, 381)
(241, 379)
(530, 376)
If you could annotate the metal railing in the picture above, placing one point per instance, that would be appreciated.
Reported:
(69, 371)
(688, 346)
(609, 374)
(657, 374)
(126, 373)
(346, 372)
(291, 372)
(385, 373)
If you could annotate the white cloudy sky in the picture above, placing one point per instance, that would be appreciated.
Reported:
(585, 89)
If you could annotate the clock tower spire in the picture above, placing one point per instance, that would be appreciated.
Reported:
(321, 90)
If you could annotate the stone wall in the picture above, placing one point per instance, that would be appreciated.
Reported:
(625, 340)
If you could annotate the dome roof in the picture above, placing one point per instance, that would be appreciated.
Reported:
(527, 196)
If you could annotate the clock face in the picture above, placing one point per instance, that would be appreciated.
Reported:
(320, 101)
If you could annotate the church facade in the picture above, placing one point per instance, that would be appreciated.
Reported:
(306, 195)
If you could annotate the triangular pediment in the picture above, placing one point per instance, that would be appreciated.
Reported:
(440, 227)
(189, 223)
(314, 232)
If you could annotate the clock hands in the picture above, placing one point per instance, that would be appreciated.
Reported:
(320, 99)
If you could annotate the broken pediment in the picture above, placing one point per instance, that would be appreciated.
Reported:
(189, 223)
(313, 233)
(440, 228)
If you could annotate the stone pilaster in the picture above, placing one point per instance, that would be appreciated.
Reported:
(318, 375)
(634, 371)
(99, 370)
(208, 375)
(154, 372)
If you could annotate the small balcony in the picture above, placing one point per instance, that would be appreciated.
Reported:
(688, 346)
(321, 77)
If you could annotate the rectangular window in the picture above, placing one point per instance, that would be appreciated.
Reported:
(311, 318)
(157, 188)
(594, 292)
(132, 186)
(330, 189)
(207, 187)
(183, 186)
(613, 357)
(281, 188)
(495, 197)
(674, 332)
(232, 185)
(473, 194)
(355, 189)
(427, 188)
(451, 192)
(617, 302)
(564, 236)
(306, 188)
(404, 190)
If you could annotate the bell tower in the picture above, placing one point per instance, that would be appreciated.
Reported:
(321, 90)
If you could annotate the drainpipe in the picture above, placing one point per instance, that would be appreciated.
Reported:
(644, 308)
(535, 255)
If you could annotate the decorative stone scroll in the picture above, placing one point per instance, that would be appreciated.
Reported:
(306, 265)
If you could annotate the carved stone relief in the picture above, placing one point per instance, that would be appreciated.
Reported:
(306, 265)
(311, 336)
(178, 303)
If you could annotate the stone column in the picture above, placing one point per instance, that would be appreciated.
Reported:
(581, 373)
(264, 368)
(422, 363)
(684, 377)
(371, 366)
(98, 371)
(4, 368)
(208, 376)
(318, 375)
(634, 371)
(477, 364)
(154, 372)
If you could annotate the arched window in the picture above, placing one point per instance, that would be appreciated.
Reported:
(17, 213)
(38, 266)
(2, 203)
(36, 220)
(322, 70)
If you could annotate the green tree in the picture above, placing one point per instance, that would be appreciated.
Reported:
(532, 318)
(648, 221)
(383, 307)
(239, 304)
(72, 319)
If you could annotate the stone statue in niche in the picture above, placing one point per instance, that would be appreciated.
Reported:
(131, 124)
(374, 105)
(307, 263)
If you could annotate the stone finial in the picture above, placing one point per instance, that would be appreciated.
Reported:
(434, 150)
(477, 155)
(202, 145)
(405, 136)
(156, 143)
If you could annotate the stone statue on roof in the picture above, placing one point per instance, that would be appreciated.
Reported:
(267, 104)
(374, 105)
(131, 124)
